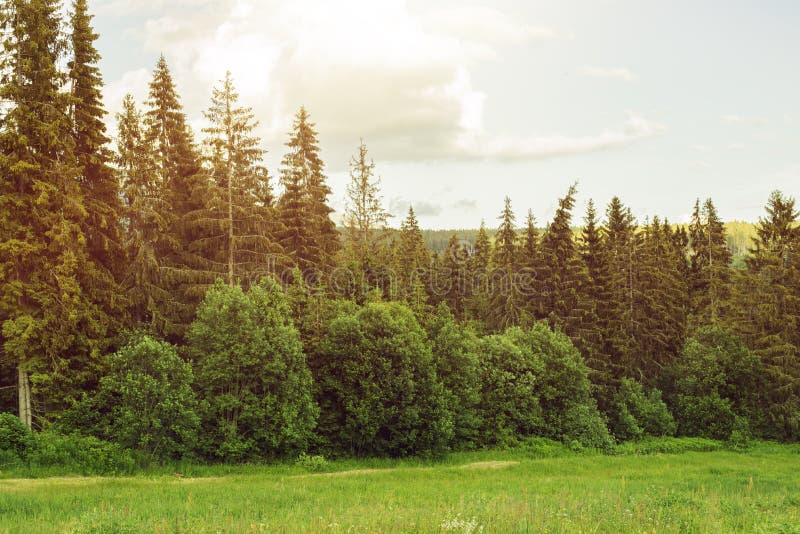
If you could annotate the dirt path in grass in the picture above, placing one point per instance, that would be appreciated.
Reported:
(489, 465)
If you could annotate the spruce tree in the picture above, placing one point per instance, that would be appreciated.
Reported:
(236, 221)
(768, 312)
(529, 271)
(146, 219)
(710, 260)
(365, 221)
(455, 271)
(99, 185)
(184, 271)
(593, 251)
(309, 236)
(478, 291)
(622, 245)
(413, 264)
(564, 277)
(505, 299)
(49, 320)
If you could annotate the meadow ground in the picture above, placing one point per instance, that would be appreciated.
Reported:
(757, 490)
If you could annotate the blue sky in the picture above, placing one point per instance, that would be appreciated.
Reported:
(460, 104)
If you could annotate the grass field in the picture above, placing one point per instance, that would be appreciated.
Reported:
(489, 491)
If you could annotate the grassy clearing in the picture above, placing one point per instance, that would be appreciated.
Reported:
(496, 491)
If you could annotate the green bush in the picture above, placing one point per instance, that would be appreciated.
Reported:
(314, 464)
(15, 438)
(377, 386)
(84, 455)
(455, 353)
(713, 383)
(510, 409)
(569, 411)
(251, 375)
(636, 413)
(145, 402)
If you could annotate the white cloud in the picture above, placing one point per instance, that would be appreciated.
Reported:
(540, 147)
(617, 73)
(397, 76)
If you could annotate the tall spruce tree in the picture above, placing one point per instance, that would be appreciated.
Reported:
(185, 273)
(768, 312)
(237, 220)
(593, 251)
(146, 219)
(455, 273)
(478, 290)
(413, 264)
(365, 222)
(309, 236)
(622, 245)
(506, 301)
(564, 277)
(99, 185)
(710, 260)
(530, 271)
(49, 321)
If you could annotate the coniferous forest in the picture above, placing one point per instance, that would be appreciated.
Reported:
(165, 293)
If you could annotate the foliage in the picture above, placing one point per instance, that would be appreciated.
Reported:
(638, 414)
(15, 437)
(146, 400)
(714, 382)
(314, 464)
(83, 455)
(377, 385)
(250, 374)
(569, 411)
(457, 360)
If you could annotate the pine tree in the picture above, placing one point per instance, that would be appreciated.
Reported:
(564, 276)
(768, 312)
(49, 321)
(710, 260)
(505, 299)
(99, 185)
(530, 271)
(309, 236)
(365, 220)
(478, 291)
(185, 273)
(413, 264)
(236, 221)
(593, 251)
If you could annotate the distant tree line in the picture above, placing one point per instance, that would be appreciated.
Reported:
(163, 296)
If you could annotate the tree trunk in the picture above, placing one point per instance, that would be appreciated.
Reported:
(24, 398)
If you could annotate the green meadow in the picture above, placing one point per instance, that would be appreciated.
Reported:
(757, 490)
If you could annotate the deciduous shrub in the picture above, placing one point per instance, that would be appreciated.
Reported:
(16, 440)
(562, 386)
(145, 403)
(377, 385)
(84, 455)
(251, 375)
(455, 354)
(713, 383)
(637, 414)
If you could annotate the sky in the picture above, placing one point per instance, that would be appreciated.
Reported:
(463, 103)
